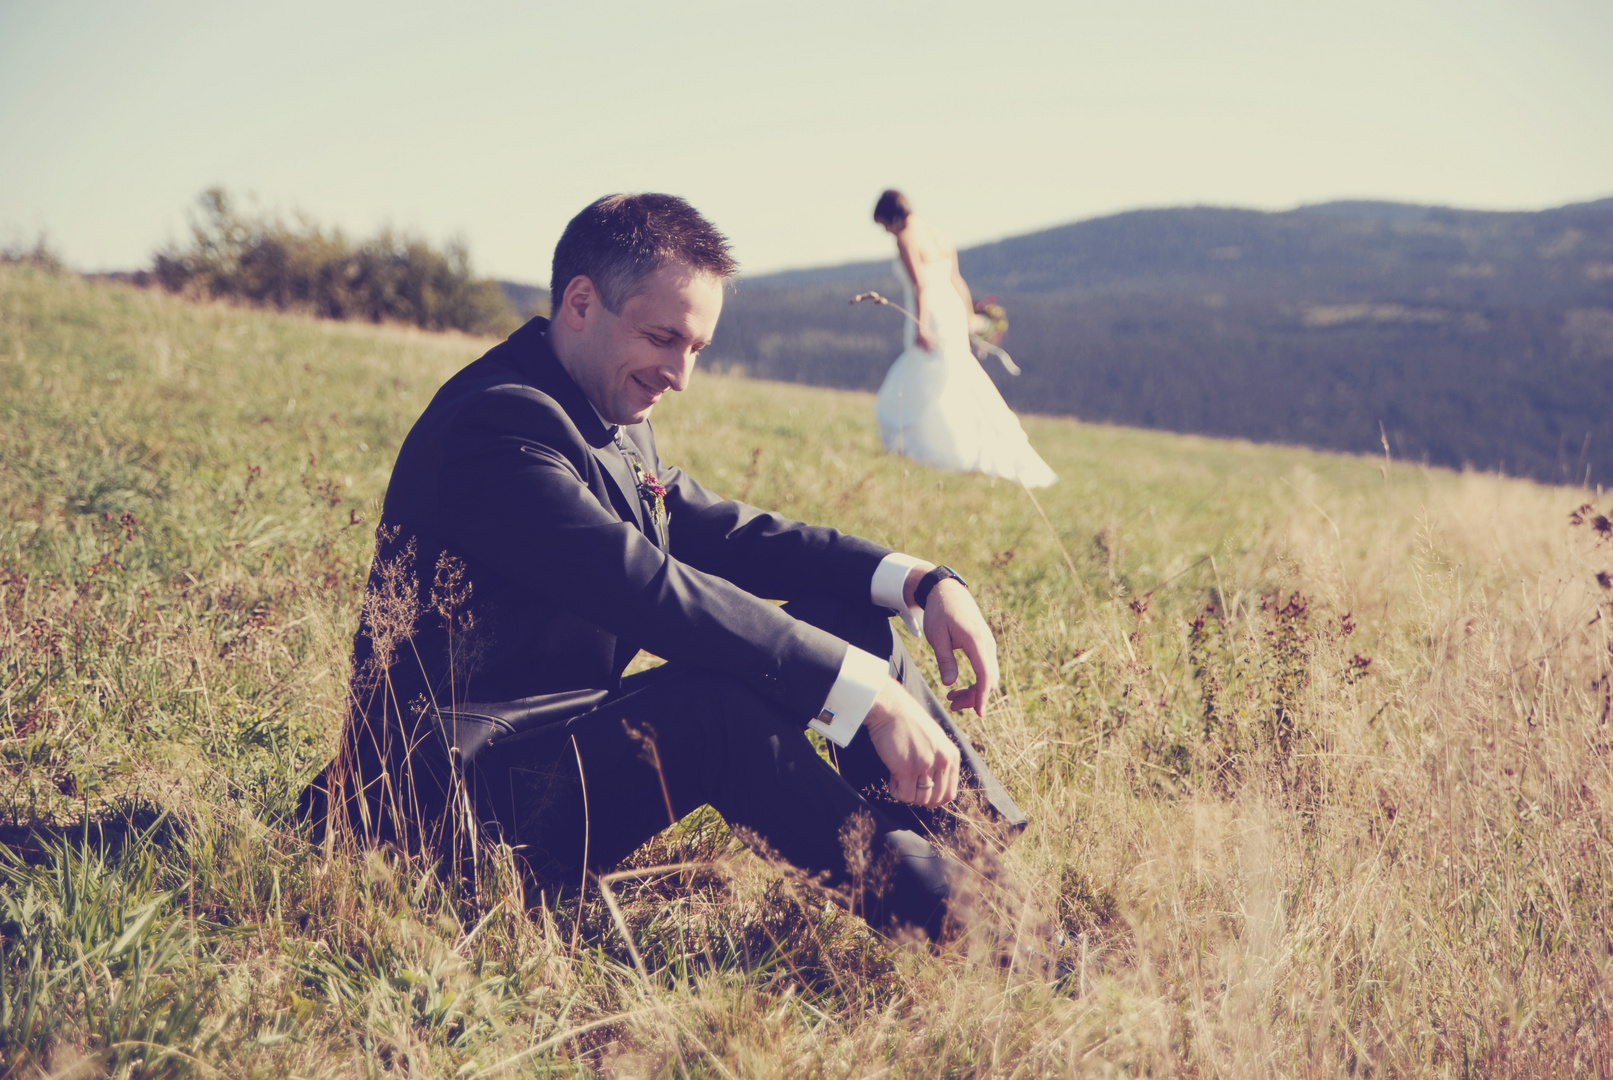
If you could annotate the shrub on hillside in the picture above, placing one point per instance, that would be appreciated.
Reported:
(390, 277)
(40, 256)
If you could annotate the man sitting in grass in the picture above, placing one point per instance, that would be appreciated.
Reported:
(532, 542)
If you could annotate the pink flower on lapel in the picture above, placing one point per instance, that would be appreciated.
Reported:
(653, 492)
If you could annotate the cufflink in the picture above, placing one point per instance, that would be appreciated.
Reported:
(827, 716)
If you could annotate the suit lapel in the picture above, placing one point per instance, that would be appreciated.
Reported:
(638, 435)
(617, 469)
(642, 439)
(538, 363)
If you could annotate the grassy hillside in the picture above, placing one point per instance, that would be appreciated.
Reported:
(1316, 750)
(1471, 337)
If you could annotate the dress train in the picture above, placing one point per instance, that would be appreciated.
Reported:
(941, 407)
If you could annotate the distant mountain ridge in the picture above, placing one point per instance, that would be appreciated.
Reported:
(1476, 338)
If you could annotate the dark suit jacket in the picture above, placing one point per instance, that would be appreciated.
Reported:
(517, 572)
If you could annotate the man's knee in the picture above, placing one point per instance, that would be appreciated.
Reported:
(712, 698)
(713, 733)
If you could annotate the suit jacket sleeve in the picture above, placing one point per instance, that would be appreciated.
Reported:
(517, 492)
(764, 553)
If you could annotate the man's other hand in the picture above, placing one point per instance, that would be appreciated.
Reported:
(952, 622)
(923, 762)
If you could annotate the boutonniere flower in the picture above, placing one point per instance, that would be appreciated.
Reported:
(650, 490)
(653, 492)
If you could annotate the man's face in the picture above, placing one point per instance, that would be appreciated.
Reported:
(624, 361)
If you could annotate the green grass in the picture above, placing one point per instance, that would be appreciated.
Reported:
(1281, 859)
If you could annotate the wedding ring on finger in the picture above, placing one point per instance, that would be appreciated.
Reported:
(925, 786)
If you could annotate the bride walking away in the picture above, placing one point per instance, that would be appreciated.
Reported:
(937, 404)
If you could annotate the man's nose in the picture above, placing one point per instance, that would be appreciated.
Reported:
(677, 371)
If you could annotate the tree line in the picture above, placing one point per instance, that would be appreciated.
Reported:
(392, 276)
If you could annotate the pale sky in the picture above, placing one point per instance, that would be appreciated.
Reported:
(782, 122)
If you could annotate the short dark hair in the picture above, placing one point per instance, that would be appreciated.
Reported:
(619, 240)
(892, 207)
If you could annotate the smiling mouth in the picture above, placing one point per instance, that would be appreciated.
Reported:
(653, 393)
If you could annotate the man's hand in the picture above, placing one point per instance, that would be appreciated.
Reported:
(923, 762)
(952, 621)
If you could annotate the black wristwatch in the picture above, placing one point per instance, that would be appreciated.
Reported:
(931, 580)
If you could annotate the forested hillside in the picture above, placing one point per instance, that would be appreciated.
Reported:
(1473, 338)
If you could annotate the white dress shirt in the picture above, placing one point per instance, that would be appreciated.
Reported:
(862, 673)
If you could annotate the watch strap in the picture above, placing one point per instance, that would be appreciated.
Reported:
(929, 581)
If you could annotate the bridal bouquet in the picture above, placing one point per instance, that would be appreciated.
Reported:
(991, 320)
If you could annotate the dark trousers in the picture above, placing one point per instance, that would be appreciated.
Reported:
(586, 792)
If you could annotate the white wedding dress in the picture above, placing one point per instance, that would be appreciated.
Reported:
(942, 408)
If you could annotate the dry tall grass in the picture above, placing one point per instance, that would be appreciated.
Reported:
(1315, 749)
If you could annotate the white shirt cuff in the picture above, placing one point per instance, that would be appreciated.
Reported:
(889, 586)
(852, 695)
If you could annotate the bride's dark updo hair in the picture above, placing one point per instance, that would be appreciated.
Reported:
(892, 208)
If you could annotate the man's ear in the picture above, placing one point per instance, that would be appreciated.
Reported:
(577, 303)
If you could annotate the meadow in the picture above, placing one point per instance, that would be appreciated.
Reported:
(1315, 749)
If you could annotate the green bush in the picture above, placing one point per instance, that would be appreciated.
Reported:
(390, 277)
